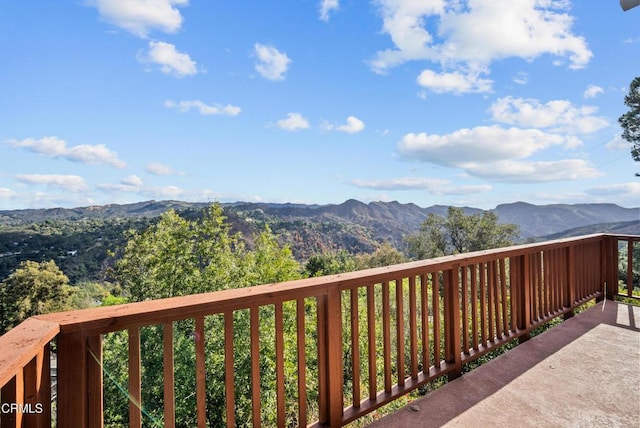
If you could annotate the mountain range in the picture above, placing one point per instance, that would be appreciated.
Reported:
(308, 229)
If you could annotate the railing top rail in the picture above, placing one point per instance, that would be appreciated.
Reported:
(23, 342)
(113, 318)
(635, 238)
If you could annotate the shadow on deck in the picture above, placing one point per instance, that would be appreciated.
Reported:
(583, 373)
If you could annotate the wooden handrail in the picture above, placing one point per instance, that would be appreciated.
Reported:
(114, 318)
(22, 343)
(450, 309)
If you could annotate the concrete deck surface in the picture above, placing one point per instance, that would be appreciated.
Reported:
(583, 373)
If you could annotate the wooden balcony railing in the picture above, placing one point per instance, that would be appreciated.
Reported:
(376, 334)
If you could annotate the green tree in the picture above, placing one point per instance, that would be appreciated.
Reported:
(269, 262)
(33, 288)
(179, 256)
(329, 263)
(385, 255)
(630, 121)
(460, 233)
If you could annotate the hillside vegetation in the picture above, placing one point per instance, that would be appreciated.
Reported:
(85, 242)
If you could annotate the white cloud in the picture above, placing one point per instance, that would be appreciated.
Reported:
(493, 29)
(272, 64)
(521, 78)
(140, 17)
(172, 192)
(455, 82)
(555, 115)
(466, 189)
(293, 122)
(132, 180)
(618, 143)
(621, 191)
(436, 186)
(495, 153)
(403, 20)
(169, 59)
(117, 188)
(327, 6)
(593, 91)
(70, 183)
(130, 184)
(204, 109)
(532, 172)
(157, 168)
(472, 34)
(483, 144)
(353, 126)
(57, 148)
(7, 193)
(405, 183)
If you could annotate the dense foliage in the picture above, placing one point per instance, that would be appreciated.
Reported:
(82, 248)
(176, 257)
(460, 233)
(32, 289)
(630, 121)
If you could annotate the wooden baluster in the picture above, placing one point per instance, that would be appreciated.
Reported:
(496, 295)
(386, 336)
(280, 391)
(483, 304)
(515, 265)
(254, 320)
(323, 355)
(371, 330)
(400, 331)
(629, 268)
(168, 370)
(229, 378)
(452, 321)
(95, 382)
(13, 392)
(355, 346)
(335, 360)
(302, 362)
(474, 306)
(504, 303)
(435, 305)
(201, 373)
(465, 310)
(491, 299)
(135, 382)
(413, 327)
(426, 351)
(526, 297)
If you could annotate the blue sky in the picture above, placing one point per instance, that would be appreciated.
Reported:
(465, 102)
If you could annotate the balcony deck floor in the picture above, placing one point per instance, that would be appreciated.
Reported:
(583, 373)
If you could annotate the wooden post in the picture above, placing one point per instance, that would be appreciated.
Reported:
(630, 268)
(95, 410)
(334, 399)
(135, 381)
(570, 295)
(452, 321)
(12, 393)
(201, 373)
(611, 264)
(72, 380)
(168, 375)
(524, 294)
